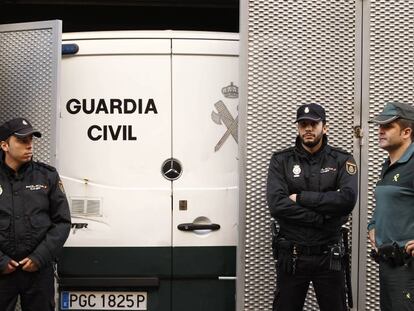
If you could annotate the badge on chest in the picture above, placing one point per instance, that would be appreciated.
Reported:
(296, 170)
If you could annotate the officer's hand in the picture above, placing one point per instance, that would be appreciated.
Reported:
(409, 248)
(28, 265)
(371, 235)
(11, 267)
(293, 197)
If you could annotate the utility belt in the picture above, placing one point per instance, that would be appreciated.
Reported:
(287, 253)
(314, 249)
(392, 254)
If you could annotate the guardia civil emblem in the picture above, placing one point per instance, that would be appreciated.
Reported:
(224, 116)
(296, 170)
(1, 190)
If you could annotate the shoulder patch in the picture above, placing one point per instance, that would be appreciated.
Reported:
(60, 184)
(351, 168)
(47, 166)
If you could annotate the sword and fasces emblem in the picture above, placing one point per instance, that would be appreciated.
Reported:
(223, 116)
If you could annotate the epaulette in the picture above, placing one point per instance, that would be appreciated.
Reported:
(340, 150)
(47, 166)
(287, 150)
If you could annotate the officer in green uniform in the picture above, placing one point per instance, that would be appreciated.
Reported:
(391, 230)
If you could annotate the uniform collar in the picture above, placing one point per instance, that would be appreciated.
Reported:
(404, 158)
(407, 154)
(324, 148)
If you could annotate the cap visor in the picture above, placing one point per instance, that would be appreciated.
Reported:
(383, 119)
(27, 133)
(309, 118)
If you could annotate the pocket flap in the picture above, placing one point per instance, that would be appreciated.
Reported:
(4, 223)
(40, 220)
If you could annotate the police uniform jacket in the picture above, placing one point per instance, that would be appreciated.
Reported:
(326, 186)
(34, 213)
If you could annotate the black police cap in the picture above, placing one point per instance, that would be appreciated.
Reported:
(313, 112)
(19, 127)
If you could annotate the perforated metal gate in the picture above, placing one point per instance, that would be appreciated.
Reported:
(30, 54)
(351, 56)
(29, 65)
(388, 76)
(297, 52)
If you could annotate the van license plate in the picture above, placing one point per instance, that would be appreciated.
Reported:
(103, 300)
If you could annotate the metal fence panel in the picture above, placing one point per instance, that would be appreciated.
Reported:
(297, 52)
(30, 54)
(388, 76)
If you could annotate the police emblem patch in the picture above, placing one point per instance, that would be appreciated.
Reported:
(296, 170)
(1, 190)
(351, 168)
(60, 184)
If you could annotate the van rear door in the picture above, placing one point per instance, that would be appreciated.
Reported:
(205, 197)
(115, 133)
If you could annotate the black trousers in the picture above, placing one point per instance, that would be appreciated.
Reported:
(397, 287)
(36, 290)
(329, 285)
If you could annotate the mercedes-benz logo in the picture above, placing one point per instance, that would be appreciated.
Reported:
(171, 169)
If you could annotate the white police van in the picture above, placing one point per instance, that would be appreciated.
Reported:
(147, 151)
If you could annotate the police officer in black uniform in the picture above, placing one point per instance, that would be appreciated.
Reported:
(311, 190)
(34, 221)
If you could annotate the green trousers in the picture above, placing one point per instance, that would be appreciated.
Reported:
(397, 287)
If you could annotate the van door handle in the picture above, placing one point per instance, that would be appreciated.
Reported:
(192, 227)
